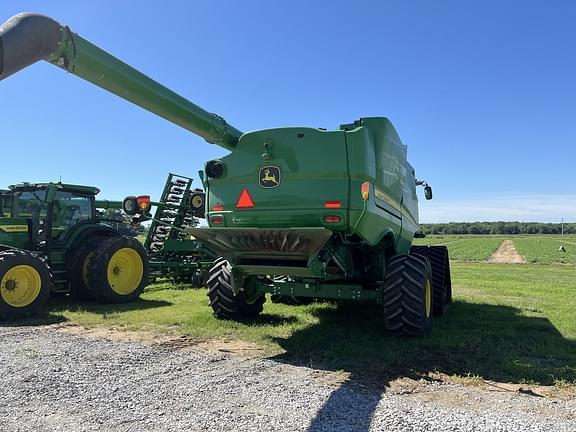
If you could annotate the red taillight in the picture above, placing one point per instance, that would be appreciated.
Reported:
(218, 207)
(143, 201)
(332, 204)
(245, 200)
(332, 219)
(217, 220)
(365, 190)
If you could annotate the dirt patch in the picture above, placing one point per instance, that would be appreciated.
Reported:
(506, 254)
(182, 342)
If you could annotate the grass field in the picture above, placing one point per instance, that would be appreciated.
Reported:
(545, 249)
(510, 323)
(538, 249)
(465, 248)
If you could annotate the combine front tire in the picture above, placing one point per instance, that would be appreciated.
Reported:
(407, 296)
(221, 295)
(117, 272)
(441, 281)
(24, 284)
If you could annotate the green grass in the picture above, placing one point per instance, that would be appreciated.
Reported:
(465, 248)
(544, 249)
(508, 323)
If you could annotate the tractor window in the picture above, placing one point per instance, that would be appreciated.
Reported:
(30, 204)
(70, 209)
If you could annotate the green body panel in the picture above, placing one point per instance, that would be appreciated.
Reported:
(14, 232)
(317, 167)
(305, 184)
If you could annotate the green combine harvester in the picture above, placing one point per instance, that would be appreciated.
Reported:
(53, 242)
(298, 212)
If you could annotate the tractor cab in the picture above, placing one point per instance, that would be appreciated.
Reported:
(47, 212)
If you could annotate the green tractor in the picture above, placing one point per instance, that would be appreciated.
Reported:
(297, 212)
(52, 243)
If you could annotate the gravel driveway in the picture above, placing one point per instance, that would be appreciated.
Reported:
(56, 381)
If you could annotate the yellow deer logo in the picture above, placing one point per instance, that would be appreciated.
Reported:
(269, 177)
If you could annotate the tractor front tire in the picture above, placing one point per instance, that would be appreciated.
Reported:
(117, 272)
(407, 296)
(222, 299)
(25, 282)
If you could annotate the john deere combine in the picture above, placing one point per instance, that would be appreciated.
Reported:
(51, 242)
(294, 211)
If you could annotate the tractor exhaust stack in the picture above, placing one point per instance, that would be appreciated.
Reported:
(27, 38)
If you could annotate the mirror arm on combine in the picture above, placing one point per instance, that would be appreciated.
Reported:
(427, 189)
(27, 38)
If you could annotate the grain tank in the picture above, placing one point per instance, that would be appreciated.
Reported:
(296, 212)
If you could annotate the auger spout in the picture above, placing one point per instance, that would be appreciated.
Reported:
(27, 38)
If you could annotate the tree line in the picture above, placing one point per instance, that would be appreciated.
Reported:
(496, 228)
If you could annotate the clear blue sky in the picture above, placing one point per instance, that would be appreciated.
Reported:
(483, 93)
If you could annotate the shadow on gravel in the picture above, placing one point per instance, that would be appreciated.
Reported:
(473, 340)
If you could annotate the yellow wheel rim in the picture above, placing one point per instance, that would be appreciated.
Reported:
(428, 294)
(125, 271)
(20, 286)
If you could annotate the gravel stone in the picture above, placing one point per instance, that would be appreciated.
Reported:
(55, 381)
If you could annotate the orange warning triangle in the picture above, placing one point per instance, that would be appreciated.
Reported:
(245, 200)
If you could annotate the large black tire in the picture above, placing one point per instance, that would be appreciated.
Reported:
(441, 281)
(407, 296)
(221, 296)
(117, 272)
(77, 262)
(25, 283)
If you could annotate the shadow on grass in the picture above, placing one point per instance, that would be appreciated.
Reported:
(266, 319)
(473, 340)
(60, 304)
(53, 313)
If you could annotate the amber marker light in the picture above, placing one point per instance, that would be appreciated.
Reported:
(332, 204)
(365, 190)
(143, 201)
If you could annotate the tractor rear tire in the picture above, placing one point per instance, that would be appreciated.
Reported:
(25, 283)
(222, 299)
(78, 268)
(441, 281)
(407, 296)
(117, 272)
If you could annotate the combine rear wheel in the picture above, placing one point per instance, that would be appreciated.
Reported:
(407, 296)
(24, 284)
(441, 281)
(247, 303)
(117, 272)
